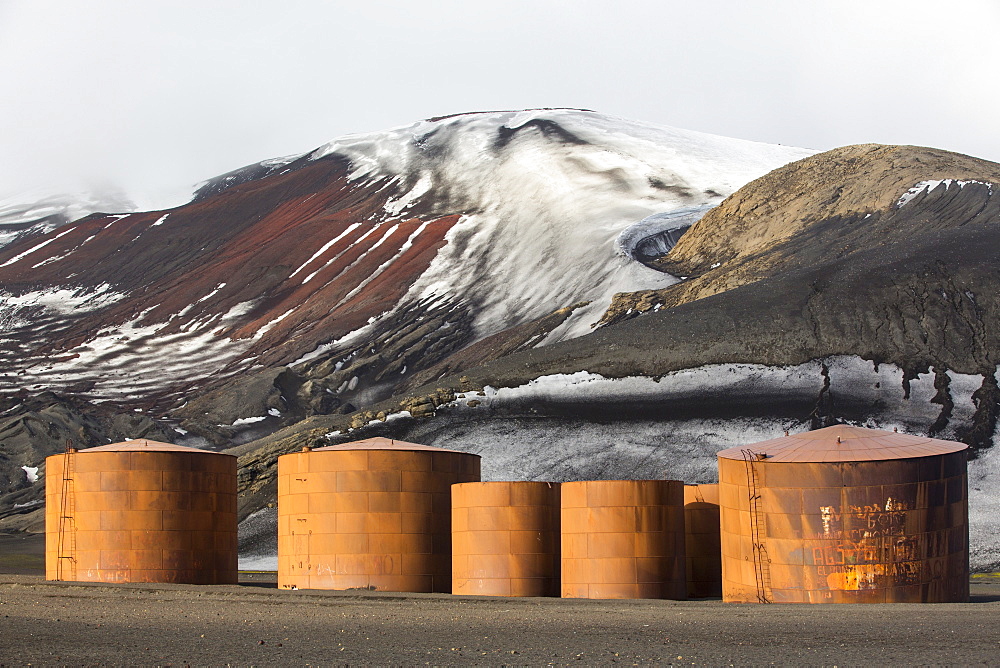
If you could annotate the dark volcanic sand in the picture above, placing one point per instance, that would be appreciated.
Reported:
(22, 554)
(62, 623)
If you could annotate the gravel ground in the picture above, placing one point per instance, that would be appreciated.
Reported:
(47, 623)
(59, 623)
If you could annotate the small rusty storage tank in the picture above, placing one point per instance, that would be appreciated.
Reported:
(505, 538)
(702, 542)
(623, 539)
(141, 511)
(373, 514)
(845, 515)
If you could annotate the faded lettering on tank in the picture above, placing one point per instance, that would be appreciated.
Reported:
(869, 547)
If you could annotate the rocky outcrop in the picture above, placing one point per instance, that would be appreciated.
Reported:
(34, 427)
(820, 211)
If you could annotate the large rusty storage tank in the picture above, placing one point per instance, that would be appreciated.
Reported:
(505, 538)
(141, 511)
(845, 515)
(702, 542)
(623, 539)
(374, 513)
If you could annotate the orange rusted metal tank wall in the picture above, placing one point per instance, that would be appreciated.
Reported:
(623, 539)
(141, 511)
(702, 541)
(505, 538)
(845, 515)
(372, 514)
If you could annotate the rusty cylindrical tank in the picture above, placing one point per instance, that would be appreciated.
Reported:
(505, 538)
(623, 539)
(141, 511)
(702, 542)
(845, 515)
(372, 514)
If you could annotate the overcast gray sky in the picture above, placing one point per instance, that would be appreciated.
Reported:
(157, 95)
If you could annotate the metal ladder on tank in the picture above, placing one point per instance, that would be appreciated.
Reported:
(758, 530)
(66, 540)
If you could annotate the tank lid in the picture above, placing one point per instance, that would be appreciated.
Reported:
(145, 445)
(380, 443)
(843, 443)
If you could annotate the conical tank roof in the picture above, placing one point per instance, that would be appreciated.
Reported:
(381, 443)
(843, 443)
(146, 445)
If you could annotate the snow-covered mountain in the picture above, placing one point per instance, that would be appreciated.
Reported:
(498, 218)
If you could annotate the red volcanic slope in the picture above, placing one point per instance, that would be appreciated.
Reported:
(305, 251)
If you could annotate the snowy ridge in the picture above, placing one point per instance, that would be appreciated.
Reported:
(37, 213)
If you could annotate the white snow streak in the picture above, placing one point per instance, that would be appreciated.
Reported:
(35, 248)
(326, 246)
(115, 220)
(341, 253)
(382, 267)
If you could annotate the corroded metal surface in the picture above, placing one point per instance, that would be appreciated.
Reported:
(369, 517)
(843, 443)
(862, 530)
(505, 538)
(702, 542)
(623, 539)
(141, 511)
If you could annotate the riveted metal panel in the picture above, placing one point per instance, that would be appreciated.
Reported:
(141, 511)
(368, 514)
(623, 539)
(505, 538)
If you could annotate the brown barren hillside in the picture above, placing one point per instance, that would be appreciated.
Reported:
(819, 210)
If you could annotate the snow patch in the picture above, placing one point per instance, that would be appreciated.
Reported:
(338, 255)
(591, 387)
(928, 186)
(125, 361)
(21, 310)
(31, 472)
(657, 234)
(423, 185)
(250, 420)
